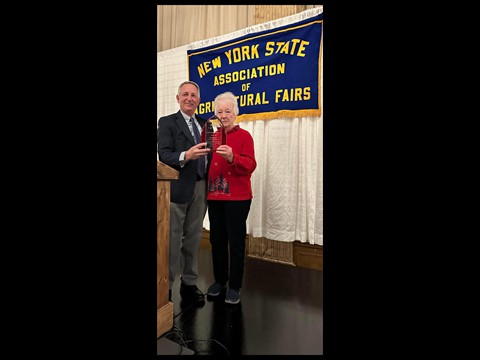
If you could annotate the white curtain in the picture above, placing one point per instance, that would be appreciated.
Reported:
(287, 184)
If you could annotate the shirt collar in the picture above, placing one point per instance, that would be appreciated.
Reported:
(186, 117)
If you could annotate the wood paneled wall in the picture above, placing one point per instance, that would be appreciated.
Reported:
(292, 253)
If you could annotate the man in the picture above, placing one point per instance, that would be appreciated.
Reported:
(179, 146)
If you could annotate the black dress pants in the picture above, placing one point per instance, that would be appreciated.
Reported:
(228, 229)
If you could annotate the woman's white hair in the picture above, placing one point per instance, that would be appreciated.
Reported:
(230, 97)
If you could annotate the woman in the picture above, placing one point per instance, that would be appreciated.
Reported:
(229, 196)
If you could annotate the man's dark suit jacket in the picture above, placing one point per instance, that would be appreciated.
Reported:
(173, 136)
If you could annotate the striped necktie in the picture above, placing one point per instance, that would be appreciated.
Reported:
(201, 160)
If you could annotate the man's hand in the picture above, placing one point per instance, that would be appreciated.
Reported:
(196, 151)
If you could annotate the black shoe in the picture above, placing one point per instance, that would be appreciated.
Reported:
(191, 293)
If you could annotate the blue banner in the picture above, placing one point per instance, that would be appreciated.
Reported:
(273, 73)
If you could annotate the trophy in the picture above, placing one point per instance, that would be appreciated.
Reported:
(213, 137)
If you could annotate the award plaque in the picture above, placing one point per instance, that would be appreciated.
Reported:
(213, 138)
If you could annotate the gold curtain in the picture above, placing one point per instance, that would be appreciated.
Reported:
(179, 25)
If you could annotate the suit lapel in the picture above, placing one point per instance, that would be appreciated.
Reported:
(184, 127)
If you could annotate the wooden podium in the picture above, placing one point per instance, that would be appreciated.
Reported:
(164, 307)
